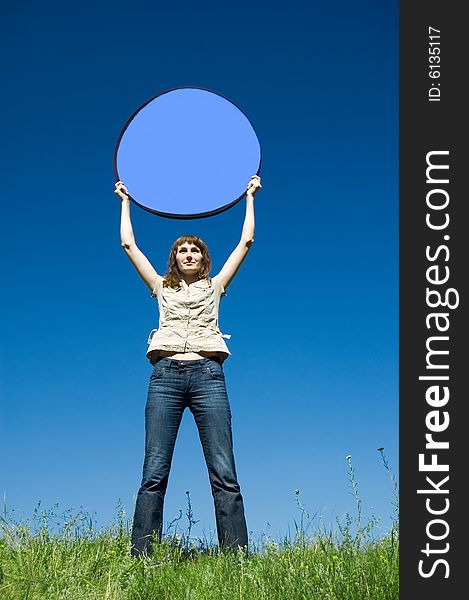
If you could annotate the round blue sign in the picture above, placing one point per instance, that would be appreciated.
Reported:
(187, 153)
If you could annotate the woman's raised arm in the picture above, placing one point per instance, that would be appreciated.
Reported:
(135, 255)
(230, 268)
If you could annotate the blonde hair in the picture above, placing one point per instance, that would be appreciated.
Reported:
(173, 277)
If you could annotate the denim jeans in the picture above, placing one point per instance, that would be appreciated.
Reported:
(199, 385)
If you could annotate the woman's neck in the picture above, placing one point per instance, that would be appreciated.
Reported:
(189, 278)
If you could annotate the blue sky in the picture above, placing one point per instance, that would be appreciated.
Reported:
(313, 312)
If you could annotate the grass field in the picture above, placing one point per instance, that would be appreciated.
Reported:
(80, 563)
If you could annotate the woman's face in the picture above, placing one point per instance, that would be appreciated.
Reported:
(188, 259)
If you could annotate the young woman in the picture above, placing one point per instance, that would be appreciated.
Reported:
(187, 351)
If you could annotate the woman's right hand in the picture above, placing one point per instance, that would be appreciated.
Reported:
(121, 191)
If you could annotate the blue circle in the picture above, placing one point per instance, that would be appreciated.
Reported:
(187, 153)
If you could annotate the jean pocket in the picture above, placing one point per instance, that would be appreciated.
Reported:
(215, 370)
(158, 371)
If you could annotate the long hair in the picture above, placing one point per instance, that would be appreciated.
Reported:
(173, 277)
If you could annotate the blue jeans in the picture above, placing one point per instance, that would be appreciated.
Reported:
(200, 385)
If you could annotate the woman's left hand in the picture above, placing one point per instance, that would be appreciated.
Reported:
(254, 185)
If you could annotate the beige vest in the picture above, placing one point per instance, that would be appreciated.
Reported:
(188, 317)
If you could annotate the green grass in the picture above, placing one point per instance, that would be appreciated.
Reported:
(81, 563)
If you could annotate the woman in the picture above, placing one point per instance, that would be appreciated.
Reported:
(187, 352)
